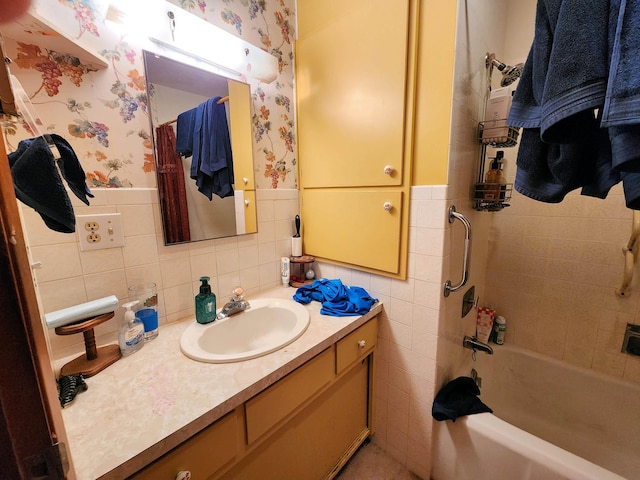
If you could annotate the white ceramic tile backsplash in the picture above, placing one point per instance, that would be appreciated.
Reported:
(69, 277)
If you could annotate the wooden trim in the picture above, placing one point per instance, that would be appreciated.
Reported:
(32, 417)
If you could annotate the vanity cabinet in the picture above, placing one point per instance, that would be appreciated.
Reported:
(203, 455)
(305, 425)
(354, 107)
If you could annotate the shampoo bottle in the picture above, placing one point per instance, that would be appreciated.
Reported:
(496, 183)
(131, 334)
(205, 303)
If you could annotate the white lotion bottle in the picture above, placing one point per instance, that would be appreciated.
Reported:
(285, 270)
(131, 334)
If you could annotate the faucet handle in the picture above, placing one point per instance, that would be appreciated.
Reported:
(238, 292)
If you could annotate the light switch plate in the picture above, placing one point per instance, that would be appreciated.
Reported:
(98, 231)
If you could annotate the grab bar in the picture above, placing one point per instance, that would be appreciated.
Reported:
(467, 251)
(629, 257)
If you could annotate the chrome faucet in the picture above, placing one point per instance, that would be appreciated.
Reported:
(474, 344)
(236, 304)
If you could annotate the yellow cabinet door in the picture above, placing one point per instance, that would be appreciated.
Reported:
(241, 138)
(351, 81)
(315, 443)
(360, 227)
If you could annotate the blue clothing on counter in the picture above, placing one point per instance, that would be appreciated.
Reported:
(337, 299)
(212, 162)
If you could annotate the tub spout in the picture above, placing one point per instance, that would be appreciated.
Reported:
(474, 344)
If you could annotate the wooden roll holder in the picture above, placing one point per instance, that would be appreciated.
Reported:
(96, 358)
(299, 264)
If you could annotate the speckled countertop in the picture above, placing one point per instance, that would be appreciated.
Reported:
(144, 405)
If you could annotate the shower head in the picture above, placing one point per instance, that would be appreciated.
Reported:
(510, 73)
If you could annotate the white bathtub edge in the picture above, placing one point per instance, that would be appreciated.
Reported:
(482, 446)
(537, 449)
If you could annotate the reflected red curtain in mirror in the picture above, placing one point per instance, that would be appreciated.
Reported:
(171, 187)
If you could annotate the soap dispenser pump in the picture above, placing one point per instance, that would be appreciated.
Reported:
(205, 302)
(131, 334)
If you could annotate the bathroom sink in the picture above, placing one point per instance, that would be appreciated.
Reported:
(269, 325)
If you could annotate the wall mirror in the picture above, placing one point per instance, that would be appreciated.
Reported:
(188, 214)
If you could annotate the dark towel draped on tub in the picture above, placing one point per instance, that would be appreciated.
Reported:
(457, 399)
(171, 187)
(38, 183)
(578, 101)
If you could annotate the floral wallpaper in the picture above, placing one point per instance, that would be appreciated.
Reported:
(103, 112)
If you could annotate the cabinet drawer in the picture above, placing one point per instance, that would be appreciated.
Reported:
(203, 455)
(350, 348)
(266, 409)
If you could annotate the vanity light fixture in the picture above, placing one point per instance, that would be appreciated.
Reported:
(173, 28)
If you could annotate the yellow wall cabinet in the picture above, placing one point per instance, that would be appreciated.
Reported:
(306, 425)
(354, 86)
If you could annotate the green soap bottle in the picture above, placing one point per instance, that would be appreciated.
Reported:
(205, 303)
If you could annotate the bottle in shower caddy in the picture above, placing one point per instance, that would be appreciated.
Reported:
(495, 183)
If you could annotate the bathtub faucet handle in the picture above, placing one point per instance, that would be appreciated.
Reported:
(474, 344)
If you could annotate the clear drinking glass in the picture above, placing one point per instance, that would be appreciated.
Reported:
(147, 308)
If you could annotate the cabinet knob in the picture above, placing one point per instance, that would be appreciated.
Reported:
(388, 206)
(183, 475)
(246, 202)
(362, 343)
(388, 170)
(245, 180)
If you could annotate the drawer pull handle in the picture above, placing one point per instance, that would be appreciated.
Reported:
(388, 206)
(183, 475)
(388, 170)
(362, 344)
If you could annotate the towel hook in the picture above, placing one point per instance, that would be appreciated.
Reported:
(453, 215)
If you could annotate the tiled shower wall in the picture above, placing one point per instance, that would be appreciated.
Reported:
(553, 274)
(478, 32)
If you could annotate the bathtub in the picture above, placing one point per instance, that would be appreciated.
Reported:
(551, 421)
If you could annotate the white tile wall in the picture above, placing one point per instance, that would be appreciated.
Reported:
(70, 277)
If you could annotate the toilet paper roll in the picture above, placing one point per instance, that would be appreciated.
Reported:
(296, 246)
(69, 315)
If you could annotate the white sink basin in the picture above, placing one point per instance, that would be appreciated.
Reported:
(269, 325)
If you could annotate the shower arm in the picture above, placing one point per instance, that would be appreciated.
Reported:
(466, 262)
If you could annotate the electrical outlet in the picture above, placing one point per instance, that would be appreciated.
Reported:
(102, 230)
